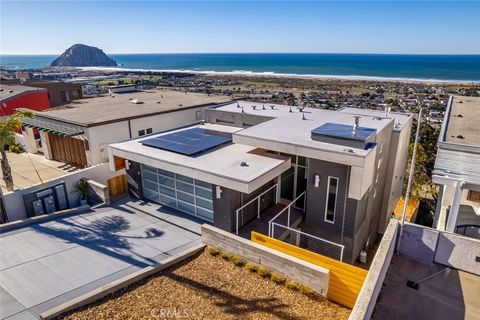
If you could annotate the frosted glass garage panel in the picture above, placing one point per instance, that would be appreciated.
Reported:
(179, 192)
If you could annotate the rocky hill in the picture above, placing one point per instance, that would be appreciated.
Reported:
(80, 55)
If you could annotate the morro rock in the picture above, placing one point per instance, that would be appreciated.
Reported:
(80, 55)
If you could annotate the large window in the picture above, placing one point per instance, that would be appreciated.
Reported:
(331, 201)
(177, 191)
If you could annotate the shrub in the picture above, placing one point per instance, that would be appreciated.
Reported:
(263, 272)
(251, 267)
(239, 262)
(277, 278)
(305, 290)
(15, 148)
(225, 256)
(292, 285)
(213, 251)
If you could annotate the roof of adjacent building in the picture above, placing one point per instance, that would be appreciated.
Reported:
(463, 119)
(458, 155)
(8, 92)
(118, 107)
(219, 166)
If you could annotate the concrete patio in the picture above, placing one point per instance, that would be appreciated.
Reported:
(45, 264)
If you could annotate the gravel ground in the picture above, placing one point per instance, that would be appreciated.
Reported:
(206, 287)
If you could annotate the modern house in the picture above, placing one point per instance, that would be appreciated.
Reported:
(457, 168)
(79, 132)
(17, 96)
(324, 180)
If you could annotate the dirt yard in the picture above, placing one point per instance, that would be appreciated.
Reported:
(207, 287)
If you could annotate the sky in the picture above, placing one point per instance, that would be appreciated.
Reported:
(50, 27)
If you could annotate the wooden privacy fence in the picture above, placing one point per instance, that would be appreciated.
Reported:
(346, 280)
(117, 185)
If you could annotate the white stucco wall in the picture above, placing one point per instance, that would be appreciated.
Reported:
(15, 207)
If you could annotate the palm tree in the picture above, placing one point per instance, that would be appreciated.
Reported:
(7, 137)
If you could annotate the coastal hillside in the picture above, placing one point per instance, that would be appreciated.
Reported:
(80, 55)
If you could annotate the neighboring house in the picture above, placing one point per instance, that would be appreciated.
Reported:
(79, 133)
(16, 96)
(457, 168)
(336, 174)
(59, 93)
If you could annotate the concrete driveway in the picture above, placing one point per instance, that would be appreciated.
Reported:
(46, 264)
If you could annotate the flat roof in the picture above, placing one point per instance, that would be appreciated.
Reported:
(219, 166)
(401, 119)
(119, 106)
(462, 126)
(8, 92)
(292, 134)
(448, 294)
(259, 109)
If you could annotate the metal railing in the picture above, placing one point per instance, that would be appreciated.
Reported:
(288, 210)
(301, 239)
(257, 198)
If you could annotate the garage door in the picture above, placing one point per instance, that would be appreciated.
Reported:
(177, 191)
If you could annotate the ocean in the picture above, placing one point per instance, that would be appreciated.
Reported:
(391, 66)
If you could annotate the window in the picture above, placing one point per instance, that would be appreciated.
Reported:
(473, 196)
(331, 201)
(145, 132)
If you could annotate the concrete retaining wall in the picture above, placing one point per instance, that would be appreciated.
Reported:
(292, 268)
(458, 252)
(98, 192)
(376, 275)
(15, 207)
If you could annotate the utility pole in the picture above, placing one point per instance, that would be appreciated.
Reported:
(410, 178)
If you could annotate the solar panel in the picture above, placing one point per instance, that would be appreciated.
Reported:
(189, 142)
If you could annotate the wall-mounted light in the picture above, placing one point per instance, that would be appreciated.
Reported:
(218, 192)
(127, 164)
(317, 181)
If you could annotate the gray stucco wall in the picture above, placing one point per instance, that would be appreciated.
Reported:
(316, 196)
(397, 162)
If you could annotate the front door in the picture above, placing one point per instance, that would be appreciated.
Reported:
(293, 182)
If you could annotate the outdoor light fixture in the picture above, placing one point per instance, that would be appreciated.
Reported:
(218, 192)
(317, 181)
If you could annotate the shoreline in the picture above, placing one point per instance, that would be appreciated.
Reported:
(285, 75)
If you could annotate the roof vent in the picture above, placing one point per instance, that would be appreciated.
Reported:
(136, 101)
(10, 91)
(254, 107)
(290, 109)
(243, 111)
(272, 107)
(348, 150)
(238, 105)
(263, 108)
(387, 111)
(356, 121)
(303, 116)
(377, 118)
(244, 164)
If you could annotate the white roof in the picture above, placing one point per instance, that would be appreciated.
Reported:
(220, 166)
(291, 134)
